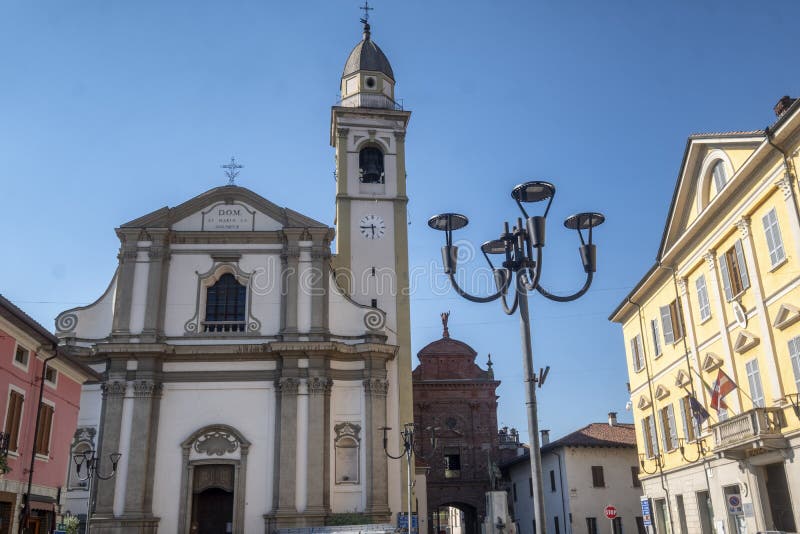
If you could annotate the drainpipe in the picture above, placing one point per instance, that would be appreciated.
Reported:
(653, 410)
(788, 166)
(27, 510)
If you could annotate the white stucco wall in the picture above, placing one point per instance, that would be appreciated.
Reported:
(347, 405)
(187, 407)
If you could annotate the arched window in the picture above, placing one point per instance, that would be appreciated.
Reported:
(720, 175)
(225, 305)
(370, 165)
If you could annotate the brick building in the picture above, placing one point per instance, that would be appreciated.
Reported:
(453, 393)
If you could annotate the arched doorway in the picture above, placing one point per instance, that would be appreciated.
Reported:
(212, 499)
(455, 518)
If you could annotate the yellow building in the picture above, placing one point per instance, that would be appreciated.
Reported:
(723, 300)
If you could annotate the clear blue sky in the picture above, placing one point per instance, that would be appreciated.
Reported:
(111, 109)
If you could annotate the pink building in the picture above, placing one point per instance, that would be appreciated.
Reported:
(25, 346)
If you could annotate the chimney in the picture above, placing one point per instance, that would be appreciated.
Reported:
(545, 437)
(783, 105)
(612, 418)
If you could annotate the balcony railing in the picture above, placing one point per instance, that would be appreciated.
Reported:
(370, 100)
(224, 326)
(749, 433)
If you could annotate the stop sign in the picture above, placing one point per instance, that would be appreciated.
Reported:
(611, 511)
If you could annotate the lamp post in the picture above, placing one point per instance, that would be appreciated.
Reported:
(521, 247)
(409, 441)
(91, 462)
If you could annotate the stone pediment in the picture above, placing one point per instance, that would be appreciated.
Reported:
(682, 379)
(745, 341)
(661, 392)
(787, 315)
(711, 362)
(644, 403)
(226, 208)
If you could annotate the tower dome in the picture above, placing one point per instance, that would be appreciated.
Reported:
(368, 79)
(367, 56)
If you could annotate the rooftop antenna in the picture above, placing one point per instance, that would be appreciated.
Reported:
(232, 170)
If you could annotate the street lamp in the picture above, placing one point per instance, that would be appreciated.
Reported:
(91, 462)
(409, 441)
(521, 250)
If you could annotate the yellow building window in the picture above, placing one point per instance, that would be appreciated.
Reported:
(734, 271)
(672, 322)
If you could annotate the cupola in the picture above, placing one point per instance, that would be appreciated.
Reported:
(367, 79)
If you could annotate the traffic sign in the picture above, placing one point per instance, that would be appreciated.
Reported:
(611, 511)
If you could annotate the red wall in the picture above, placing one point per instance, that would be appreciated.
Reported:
(66, 399)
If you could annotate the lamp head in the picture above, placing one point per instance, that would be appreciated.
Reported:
(535, 191)
(447, 222)
(115, 458)
(495, 246)
(584, 221)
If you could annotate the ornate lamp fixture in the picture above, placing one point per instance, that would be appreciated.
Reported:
(701, 449)
(90, 462)
(794, 398)
(658, 459)
(408, 436)
(520, 248)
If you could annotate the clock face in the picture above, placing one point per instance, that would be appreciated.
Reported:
(372, 227)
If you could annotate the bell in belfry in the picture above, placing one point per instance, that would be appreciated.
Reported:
(370, 165)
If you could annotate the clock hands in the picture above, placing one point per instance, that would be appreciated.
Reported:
(371, 227)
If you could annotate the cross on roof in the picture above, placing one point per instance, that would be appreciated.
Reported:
(366, 10)
(231, 170)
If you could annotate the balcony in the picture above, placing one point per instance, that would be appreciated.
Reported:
(751, 433)
(370, 100)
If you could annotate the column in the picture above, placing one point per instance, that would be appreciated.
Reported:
(715, 294)
(767, 347)
(111, 425)
(122, 302)
(375, 479)
(154, 309)
(287, 457)
(141, 464)
(318, 474)
(784, 183)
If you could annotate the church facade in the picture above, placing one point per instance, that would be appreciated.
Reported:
(248, 368)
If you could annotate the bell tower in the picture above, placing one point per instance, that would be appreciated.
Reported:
(368, 130)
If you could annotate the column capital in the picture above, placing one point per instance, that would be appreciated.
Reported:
(785, 185)
(743, 225)
(376, 386)
(711, 259)
(288, 385)
(147, 388)
(342, 132)
(113, 388)
(319, 385)
(682, 284)
(400, 135)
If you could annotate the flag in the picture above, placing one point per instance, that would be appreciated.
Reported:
(700, 414)
(722, 387)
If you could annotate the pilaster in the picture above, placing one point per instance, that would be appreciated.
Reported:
(688, 313)
(110, 427)
(768, 344)
(734, 399)
(784, 183)
(121, 322)
(139, 493)
(158, 255)
(287, 458)
(318, 474)
(290, 258)
(375, 391)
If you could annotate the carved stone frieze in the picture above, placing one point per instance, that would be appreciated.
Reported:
(376, 386)
(84, 434)
(216, 443)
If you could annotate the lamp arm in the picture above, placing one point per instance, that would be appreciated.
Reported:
(87, 477)
(386, 452)
(107, 477)
(531, 282)
(513, 308)
(567, 298)
(473, 298)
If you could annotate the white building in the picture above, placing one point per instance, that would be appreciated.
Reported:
(247, 370)
(582, 474)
